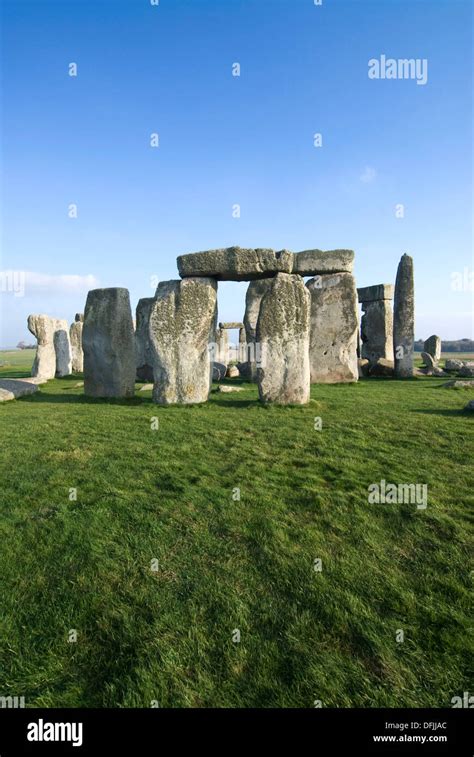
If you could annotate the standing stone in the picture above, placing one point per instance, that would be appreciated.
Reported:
(404, 319)
(433, 346)
(43, 327)
(334, 328)
(182, 327)
(79, 317)
(62, 346)
(283, 333)
(253, 299)
(108, 344)
(75, 336)
(222, 346)
(143, 347)
(428, 360)
(377, 330)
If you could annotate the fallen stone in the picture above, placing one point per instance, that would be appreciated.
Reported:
(75, 337)
(456, 384)
(143, 349)
(382, 368)
(109, 344)
(227, 389)
(433, 346)
(78, 384)
(375, 292)
(470, 406)
(438, 372)
(182, 327)
(316, 262)
(454, 365)
(12, 389)
(283, 333)
(467, 371)
(334, 328)
(404, 318)
(146, 388)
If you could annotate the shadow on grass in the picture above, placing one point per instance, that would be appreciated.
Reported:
(445, 412)
(81, 399)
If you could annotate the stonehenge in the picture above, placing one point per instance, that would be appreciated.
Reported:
(294, 332)
(182, 325)
(75, 336)
(109, 344)
(53, 352)
(334, 328)
(283, 331)
(143, 347)
(377, 322)
(253, 299)
(404, 319)
(433, 346)
(238, 264)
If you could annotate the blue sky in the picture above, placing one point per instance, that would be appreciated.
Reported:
(228, 140)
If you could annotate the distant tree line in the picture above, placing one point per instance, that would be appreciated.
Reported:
(25, 346)
(460, 345)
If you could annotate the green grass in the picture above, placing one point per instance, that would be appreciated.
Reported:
(167, 494)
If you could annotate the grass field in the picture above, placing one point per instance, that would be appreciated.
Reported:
(167, 635)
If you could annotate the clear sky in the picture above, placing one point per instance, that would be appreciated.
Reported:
(226, 140)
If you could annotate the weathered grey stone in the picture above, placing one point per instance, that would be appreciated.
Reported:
(375, 292)
(232, 372)
(243, 264)
(315, 262)
(438, 372)
(146, 388)
(459, 384)
(12, 389)
(79, 317)
(334, 328)
(454, 365)
(75, 337)
(428, 360)
(404, 319)
(382, 368)
(283, 332)
(43, 328)
(467, 371)
(377, 330)
(235, 263)
(143, 349)
(108, 343)
(433, 347)
(470, 406)
(182, 327)
(228, 389)
(222, 346)
(231, 325)
(253, 299)
(62, 347)
(218, 371)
